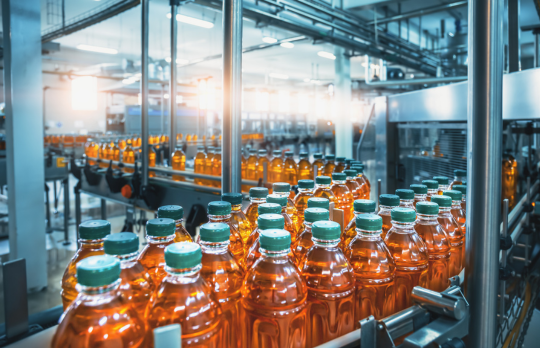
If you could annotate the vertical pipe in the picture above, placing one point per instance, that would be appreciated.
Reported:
(103, 209)
(514, 45)
(173, 80)
(65, 182)
(342, 97)
(536, 48)
(78, 214)
(484, 143)
(145, 10)
(232, 95)
(502, 282)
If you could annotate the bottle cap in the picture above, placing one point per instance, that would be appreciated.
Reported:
(289, 153)
(403, 214)
(326, 230)
(330, 157)
(122, 243)
(252, 151)
(94, 229)
(454, 194)
(364, 206)
(277, 199)
(98, 270)
(160, 227)
(431, 184)
(269, 208)
(427, 208)
(461, 188)
(317, 202)
(339, 176)
(275, 239)
(306, 184)
(419, 189)
(271, 221)
(348, 160)
(340, 159)
(183, 255)
(350, 172)
(442, 180)
(442, 201)
(369, 222)
(219, 208)
(318, 155)
(354, 163)
(215, 232)
(233, 198)
(460, 172)
(303, 155)
(277, 152)
(258, 192)
(316, 214)
(323, 180)
(405, 193)
(359, 169)
(389, 200)
(263, 152)
(281, 187)
(200, 147)
(174, 212)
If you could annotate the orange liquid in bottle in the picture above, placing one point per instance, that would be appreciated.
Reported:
(305, 169)
(459, 214)
(289, 224)
(276, 167)
(386, 204)
(323, 190)
(151, 160)
(344, 198)
(220, 211)
(460, 176)
(364, 189)
(330, 283)
(319, 163)
(284, 189)
(115, 154)
(267, 221)
(463, 190)
(251, 168)
(340, 165)
(361, 206)
(328, 168)
(200, 158)
(510, 177)
(91, 150)
(305, 192)
(420, 193)
(105, 154)
(353, 185)
(243, 165)
(176, 213)
(290, 169)
(238, 218)
(178, 163)
(261, 163)
(453, 232)
(305, 238)
(208, 165)
(257, 197)
(216, 168)
(128, 156)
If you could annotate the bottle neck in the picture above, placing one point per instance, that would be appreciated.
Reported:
(356, 213)
(323, 186)
(159, 240)
(361, 233)
(305, 190)
(274, 254)
(256, 200)
(219, 218)
(444, 210)
(432, 192)
(359, 175)
(420, 197)
(427, 218)
(307, 226)
(385, 208)
(127, 258)
(92, 292)
(184, 274)
(404, 227)
(351, 178)
(324, 243)
(456, 204)
(339, 182)
(406, 201)
(91, 243)
(214, 247)
(460, 178)
(281, 194)
(236, 207)
(443, 187)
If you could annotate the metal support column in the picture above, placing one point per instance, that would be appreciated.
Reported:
(145, 12)
(21, 21)
(78, 213)
(342, 97)
(172, 82)
(232, 96)
(484, 142)
(514, 45)
(65, 183)
(103, 209)
(536, 34)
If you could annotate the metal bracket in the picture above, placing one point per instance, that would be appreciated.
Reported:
(506, 243)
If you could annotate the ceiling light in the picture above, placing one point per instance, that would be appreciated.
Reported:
(326, 55)
(193, 21)
(97, 49)
(269, 39)
(278, 76)
(287, 44)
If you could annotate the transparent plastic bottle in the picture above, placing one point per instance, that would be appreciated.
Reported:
(463, 190)
(257, 196)
(329, 165)
(276, 167)
(105, 154)
(289, 224)
(305, 191)
(323, 188)
(252, 163)
(160, 233)
(151, 160)
(136, 285)
(353, 185)
(344, 198)
(460, 176)
(91, 150)
(178, 163)
(348, 162)
(274, 297)
(305, 241)
(263, 158)
(362, 174)
(115, 153)
(459, 214)
(122, 143)
(290, 169)
(510, 176)
(210, 153)
(410, 255)
(305, 170)
(243, 174)
(420, 193)
(428, 228)
(216, 167)
(184, 297)
(267, 221)
(176, 213)
(225, 276)
(318, 162)
(100, 316)
(386, 204)
(220, 211)
(455, 235)
(238, 218)
(374, 270)
(361, 206)
(433, 188)
(406, 198)
(91, 237)
(443, 183)
(284, 189)
(364, 190)
(128, 156)
(200, 159)
(340, 165)
(330, 283)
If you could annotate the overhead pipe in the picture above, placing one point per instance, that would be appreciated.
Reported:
(421, 12)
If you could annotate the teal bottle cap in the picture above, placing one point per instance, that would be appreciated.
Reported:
(364, 206)
(174, 212)
(340, 159)
(419, 189)
(122, 243)
(277, 199)
(339, 176)
(461, 188)
(403, 215)
(306, 184)
(215, 232)
(277, 152)
(271, 221)
(281, 187)
(275, 240)
(258, 192)
(350, 172)
(354, 163)
(303, 155)
(316, 214)
(160, 227)
(330, 157)
(318, 202)
(323, 180)
(431, 184)
(442, 180)
(269, 208)
(183, 255)
(318, 155)
(405, 193)
(94, 229)
(427, 208)
(289, 153)
(460, 172)
(326, 230)
(263, 152)
(369, 222)
(96, 271)
(200, 147)
(233, 198)
(442, 201)
(348, 160)
(454, 194)
(359, 169)
(389, 200)
(219, 208)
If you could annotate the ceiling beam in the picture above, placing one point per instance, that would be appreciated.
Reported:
(420, 12)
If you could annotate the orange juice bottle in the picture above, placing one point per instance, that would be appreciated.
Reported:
(252, 163)
(420, 193)
(340, 165)
(458, 213)
(105, 154)
(178, 163)
(362, 181)
(344, 198)
(290, 169)
(374, 270)
(263, 158)
(386, 204)
(238, 218)
(220, 211)
(91, 237)
(136, 286)
(323, 188)
(510, 175)
(305, 170)
(91, 150)
(264, 312)
(128, 156)
(348, 163)
(362, 174)
(329, 166)
(257, 196)
(406, 198)
(224, 275)
(243, 175)
(330, 282)
(216, 167)
(115, 153)
(159, 234)
(200, 159)
(305, 191)
(304, 240)
(276, 167)
(100, 316)
(352, 184)
(460, 176)
(455, 235)
(289, 224)
(184, 297)
(318, 162)
(432, 188)
(428, 228)
(361, 206)
(410, 255)
(176, 213)
(122, 144)
(284, 189)
(266, 221)
(151, 160)
(263, 209)
(210, 153)
(463, 190)
(443, 183)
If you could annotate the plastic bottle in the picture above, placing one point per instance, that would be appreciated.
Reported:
(91, 149)
(274, 297)
(290, 169)
(352, 184)
(160, 233)
(428, 228)
(243, 175)
(100, 316)
(364, 190)
(330, 284)
(460, 176)
(136, 285)
(361, 206)
(463, 190)
(176, 213)
(257, 196)
(115, 154)
(122, 143)
(185, 298)
(305, 170)
(267, 221)
(128, 156)
(329, 165)
(105, 154)
(386, 204)
(216, 167)
(178, 163)
(318, 162)
(220, 211)
(304, 241)
(348, 162)
(323, 188)
(374, 270)
(410, 255)
(289, 224)
(252, 162)
(263, 158)
(362, 174)
(305, 191)
(458, 213)
(91, 237)
(432, 188)
(344, 198)
(200, 158)
(420, 193)
(276, 167)
(238, 218)
(225, 276)
(151, 160)
(454, 233)
(406, 198)
(443, 183)
(210, 153)
(510, 176)
(340, 165)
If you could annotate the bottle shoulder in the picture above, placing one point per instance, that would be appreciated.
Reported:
(406, 247)
(326, 269)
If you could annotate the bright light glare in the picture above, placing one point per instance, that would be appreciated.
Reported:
(321, 106)
(178, 60)
(307, 80)
(262, 100)
(284, 101)
(303, 103)
(269, 39)
(278, 76)
(84, 93)
(207, 95)
(165, 96)
(193, 21)
(97, 49)
(326, 55)
(287, 44)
